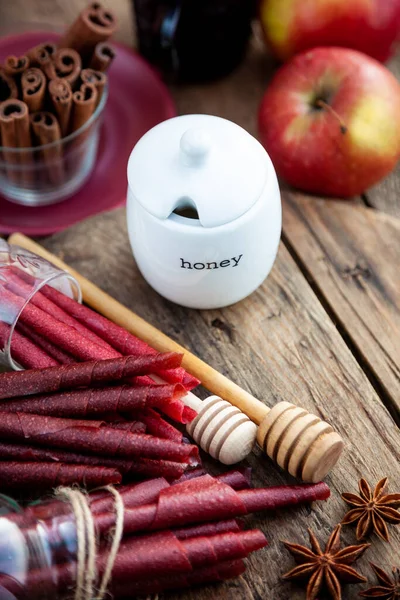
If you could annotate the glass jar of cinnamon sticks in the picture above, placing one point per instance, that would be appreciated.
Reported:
(47, 173)
(51, 102)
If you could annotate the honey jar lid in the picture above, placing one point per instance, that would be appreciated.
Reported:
(199, 161)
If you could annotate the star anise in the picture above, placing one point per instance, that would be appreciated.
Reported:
(325, 569)
(389, 588)
(371, 509)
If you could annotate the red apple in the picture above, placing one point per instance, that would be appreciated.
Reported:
(330, 121)
(371, 26)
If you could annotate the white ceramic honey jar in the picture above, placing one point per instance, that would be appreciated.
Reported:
(204, 211)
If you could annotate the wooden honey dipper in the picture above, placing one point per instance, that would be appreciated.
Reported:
(295, 439)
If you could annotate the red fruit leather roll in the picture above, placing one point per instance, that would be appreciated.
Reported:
(177, 411)
(89, 374)
(93, 437)
(133, 495)
(208, 529)
(21, 284)
(33, 476)
(21, 279)
(96, 401)
(67, 337)
(157, 426)
(220, 572)
(139, 468)
(24, 351)
(62, 358)
(207, 499)
(132, 426)
(117, 336)
(162, 554)
(239, 479)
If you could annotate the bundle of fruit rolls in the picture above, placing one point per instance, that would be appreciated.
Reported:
(201, 542)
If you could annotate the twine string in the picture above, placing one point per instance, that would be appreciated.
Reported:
(87, 545)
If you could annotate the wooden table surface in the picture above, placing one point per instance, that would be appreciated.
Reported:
(323, 331)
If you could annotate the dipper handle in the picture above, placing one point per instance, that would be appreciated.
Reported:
(113, 310)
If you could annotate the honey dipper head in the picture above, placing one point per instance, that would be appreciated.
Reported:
(223, 431)
(299, 442)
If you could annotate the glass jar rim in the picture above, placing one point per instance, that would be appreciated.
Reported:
(66, 139)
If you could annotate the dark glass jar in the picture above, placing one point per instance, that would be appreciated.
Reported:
(194, 40)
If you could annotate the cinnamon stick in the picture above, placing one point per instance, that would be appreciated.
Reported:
(94, 24)
(97, 78)
(83, 105)
(42, 54)
(8, 87)
(15, 133)
(33, 84)
(61, 97)
(46, 130)
(14, 66)
(65, 64)
(102, 57)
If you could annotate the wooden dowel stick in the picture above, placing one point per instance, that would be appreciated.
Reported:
(109, 307)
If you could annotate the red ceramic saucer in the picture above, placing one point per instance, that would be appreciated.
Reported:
(137, 101)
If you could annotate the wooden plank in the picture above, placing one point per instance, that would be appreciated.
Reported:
(352, 254)
(386, 195)
(55, 15)
(279, 344)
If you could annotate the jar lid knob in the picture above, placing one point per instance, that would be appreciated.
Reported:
(195, 146)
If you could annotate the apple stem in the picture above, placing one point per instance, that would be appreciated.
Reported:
(332, 111)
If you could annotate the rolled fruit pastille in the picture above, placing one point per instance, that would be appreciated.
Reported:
(114, 340)
(298, 441)
(93, 437)
(119, 337)
(157, 426)
(160, 507)
(25, 352)
(161, 554)
(60, 356)
(138, 468)
(133, 495)
(28, 476)
(99, 402)
(207, 499)
(87, 374)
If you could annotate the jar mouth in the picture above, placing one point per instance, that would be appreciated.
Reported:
(47, 281)
(66, 139)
